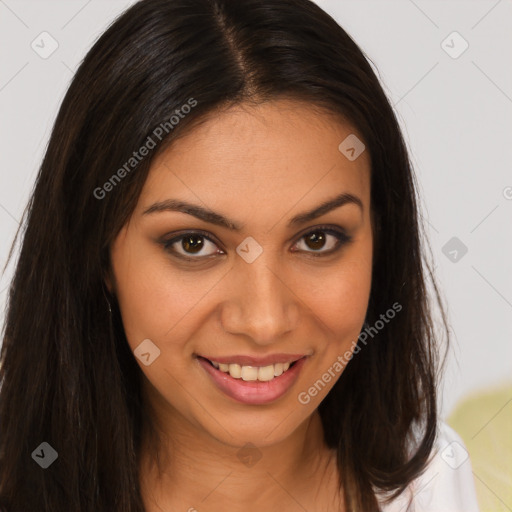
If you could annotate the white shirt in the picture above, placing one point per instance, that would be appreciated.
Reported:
(447, 484)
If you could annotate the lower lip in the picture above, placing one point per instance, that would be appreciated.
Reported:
(253, 392)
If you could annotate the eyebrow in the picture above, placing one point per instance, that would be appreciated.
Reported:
(212, 217)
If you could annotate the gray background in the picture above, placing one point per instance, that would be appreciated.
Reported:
(455, 112)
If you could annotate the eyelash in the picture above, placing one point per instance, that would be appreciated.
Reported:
(342, 240)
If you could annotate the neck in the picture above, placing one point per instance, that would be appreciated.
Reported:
(189, 469)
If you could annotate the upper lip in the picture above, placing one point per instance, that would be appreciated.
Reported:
(257, 361)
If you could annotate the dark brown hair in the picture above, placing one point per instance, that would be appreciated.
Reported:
(67, 374)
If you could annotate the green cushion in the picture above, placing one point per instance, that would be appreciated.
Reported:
(484, 422)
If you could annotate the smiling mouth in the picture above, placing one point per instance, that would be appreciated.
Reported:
(251, 384)
(247, 373)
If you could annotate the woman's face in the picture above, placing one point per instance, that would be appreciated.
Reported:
(278, 288)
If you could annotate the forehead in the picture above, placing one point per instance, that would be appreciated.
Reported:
(280, 153)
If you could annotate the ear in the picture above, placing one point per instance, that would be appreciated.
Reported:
(109, 281)
(377, 236)
(108, 284)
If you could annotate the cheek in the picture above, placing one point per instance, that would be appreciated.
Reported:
(340, 297)
(151, 297)
(342, 305)
(339, 303)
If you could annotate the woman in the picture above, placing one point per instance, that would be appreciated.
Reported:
(172, 345)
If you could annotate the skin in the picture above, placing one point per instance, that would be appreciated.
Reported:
(283, 155)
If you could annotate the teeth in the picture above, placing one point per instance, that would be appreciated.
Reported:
(278, 369)
(251, 373)
(266, 373)
(235, 370)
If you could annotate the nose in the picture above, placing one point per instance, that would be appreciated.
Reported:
(261, 305)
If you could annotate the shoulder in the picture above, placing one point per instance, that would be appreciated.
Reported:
(447, 483)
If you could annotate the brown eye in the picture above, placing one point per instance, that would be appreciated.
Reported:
(316, 240)
(194, 245)
(191, 244)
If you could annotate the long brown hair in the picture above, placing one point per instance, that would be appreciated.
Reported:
(67, 375)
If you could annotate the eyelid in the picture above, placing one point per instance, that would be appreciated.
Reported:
(338, 232)
(181, 234)
(167, 243)
(341, 235)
